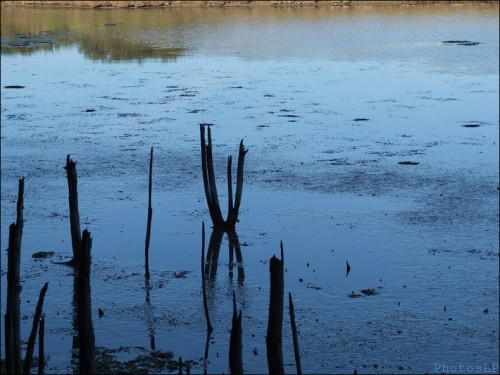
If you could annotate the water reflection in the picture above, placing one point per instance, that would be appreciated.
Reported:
(330, 33)
(212, 259)
(150, 316)
(26, 31)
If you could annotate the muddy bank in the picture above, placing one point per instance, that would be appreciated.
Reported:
(222, 3)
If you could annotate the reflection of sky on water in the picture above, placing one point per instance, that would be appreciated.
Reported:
(330, 187)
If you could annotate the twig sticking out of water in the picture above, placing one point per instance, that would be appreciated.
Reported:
(275, 321)
(13, 359)
(74, 216)
(294, 335)
(236, 343)
(34, 329)
(150, 213)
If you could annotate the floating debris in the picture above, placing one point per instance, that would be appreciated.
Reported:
(14, 87)
(471, 126)
(408, 163)
(360, 119)
(43, 254)
(368, 292)
(461, 42)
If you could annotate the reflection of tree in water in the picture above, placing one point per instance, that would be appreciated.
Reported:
(109, 49)
(27, 44)
(234, 250)
(31, 30)
(98, 46)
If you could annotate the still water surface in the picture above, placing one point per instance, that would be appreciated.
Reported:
(329, 103)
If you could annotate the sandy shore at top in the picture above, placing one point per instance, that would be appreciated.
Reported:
(221, 3)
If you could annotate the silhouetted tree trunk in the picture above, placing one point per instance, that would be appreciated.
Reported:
(13, 359)
(275, 323)
(84, 308)
(74, 215)
(34, 329)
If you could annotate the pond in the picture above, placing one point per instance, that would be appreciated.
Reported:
(372, 137)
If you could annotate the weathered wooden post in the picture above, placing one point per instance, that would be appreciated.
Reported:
(274, 339)
(294, 335)
(84, 310)
(31, 341)
(13, 359)
(74, 215)
(150, 213)
(236, 343)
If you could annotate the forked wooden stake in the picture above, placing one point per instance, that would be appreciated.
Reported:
(210, 185)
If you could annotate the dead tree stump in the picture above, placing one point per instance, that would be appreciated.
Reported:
(84, 308)
(74, 215)
(207, 168)
(13, 359)
(274, 338)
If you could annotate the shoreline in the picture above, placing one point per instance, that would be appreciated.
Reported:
(233, 3)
